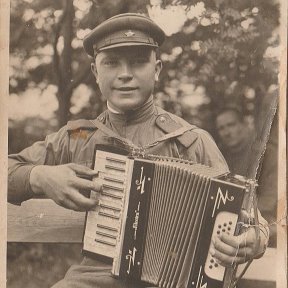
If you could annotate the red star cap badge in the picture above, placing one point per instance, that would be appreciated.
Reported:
(129, 33)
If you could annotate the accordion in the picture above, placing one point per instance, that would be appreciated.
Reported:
(157, 216)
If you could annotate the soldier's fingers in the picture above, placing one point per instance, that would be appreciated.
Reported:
(224, 248)
(87, 184)
(235, 241)
(226, 260)
(231, 251)
(82, 170)
(81, 201)
(67, 203)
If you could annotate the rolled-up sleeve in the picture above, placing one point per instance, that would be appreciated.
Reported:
(52, 151)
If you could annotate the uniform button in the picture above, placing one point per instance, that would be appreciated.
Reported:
(162, 119)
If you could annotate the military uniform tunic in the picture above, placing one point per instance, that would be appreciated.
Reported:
(149, 129)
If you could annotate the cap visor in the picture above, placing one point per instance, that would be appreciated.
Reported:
(126, 44)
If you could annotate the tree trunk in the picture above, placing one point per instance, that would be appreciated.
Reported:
(65, 69)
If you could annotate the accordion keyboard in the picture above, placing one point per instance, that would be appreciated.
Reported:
(104, 222)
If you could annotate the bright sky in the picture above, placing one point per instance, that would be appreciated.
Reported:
(179, 14)
(34, 102)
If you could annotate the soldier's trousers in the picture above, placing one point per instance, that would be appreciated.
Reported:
(93, 274)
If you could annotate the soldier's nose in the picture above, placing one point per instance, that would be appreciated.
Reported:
(125, 73)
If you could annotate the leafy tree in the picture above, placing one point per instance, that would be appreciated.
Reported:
(225, 54)
(216, 57)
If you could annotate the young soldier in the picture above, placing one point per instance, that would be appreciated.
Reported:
(126, 68)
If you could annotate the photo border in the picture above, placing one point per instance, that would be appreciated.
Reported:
(282, 154)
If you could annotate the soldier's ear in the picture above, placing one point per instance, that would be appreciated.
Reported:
(94, 71)
(158, 69)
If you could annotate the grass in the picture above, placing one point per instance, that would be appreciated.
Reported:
(34, 265)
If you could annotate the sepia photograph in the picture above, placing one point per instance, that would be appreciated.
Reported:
(145, 143)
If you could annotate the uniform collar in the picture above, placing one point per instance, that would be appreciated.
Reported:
(139, 115)
(112, 110)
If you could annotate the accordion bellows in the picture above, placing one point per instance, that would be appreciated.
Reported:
(156, 218)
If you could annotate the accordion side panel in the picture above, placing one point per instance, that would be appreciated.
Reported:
(221, 213)
(136, 220)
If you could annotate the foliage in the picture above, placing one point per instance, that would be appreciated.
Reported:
(217, 56)
(34, 265)
(225, 54)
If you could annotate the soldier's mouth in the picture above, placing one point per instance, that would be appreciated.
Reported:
(126, 88)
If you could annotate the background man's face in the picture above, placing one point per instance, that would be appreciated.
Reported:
(126, 76)
(230, 129)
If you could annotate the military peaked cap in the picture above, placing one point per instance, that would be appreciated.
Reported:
(127, 29)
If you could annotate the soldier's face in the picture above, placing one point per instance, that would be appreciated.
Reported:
(230, 129)
(126, 76)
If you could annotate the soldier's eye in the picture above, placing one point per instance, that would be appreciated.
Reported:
(110, 62)
(139, 60)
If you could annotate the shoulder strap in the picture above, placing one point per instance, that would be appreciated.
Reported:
(185, 134)
(80, 124)
(85, 124)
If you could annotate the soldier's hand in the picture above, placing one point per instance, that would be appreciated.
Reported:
(229, 249)
(63, 185)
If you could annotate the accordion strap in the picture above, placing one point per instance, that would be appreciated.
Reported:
(176, 133)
